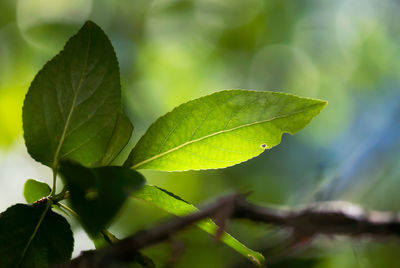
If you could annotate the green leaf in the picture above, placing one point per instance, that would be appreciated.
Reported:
(96, 194)
(143, 261)
(34, 190)
(177, 206)
(103, 239)
(121, 135)
(221, 130)
(52, 244)
(73, 104)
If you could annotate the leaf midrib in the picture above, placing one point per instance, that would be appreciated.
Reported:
(220, 132)
(55, 160)
(37, 226)
(76, 92)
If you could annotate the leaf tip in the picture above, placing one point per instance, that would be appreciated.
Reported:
(89, 23)
(323, 103)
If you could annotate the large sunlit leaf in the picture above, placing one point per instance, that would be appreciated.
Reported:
(52, 244)
(177, 206)
(34, 190)
(221, 130)
(97, 194)
(72, 105)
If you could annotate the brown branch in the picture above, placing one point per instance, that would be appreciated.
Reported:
(330, 218)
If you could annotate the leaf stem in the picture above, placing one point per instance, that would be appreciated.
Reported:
(53, 189)
(64, 194)
(108, 236)
(70, 210)
(48, 205)
(111, 239)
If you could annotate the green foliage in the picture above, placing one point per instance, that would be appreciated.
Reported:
(34, 190)
(121, 135)
(23, 246)
(73, 123)
(221, 130)
(72, 105)
(143, 261)
(98, 193)
(177, 206)
(103, 239)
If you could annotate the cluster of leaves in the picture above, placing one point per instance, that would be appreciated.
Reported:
(74, 124)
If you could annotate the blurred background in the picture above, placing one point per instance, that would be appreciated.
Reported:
(172, 51)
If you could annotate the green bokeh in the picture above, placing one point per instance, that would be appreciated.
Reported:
(345, 52)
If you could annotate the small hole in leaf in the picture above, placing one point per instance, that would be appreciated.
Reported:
(264, 146)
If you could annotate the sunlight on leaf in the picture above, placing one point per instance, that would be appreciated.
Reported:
(177, 206)
(221, 130)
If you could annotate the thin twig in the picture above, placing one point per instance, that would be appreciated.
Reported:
(330, 218)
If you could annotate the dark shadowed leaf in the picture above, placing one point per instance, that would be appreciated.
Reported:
(177, 206)
(97, 193)
(53, 242)
(34, 190)
(221, 130)
(72, 105)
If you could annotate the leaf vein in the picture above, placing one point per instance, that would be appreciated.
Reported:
(220, 132)
(76, 91)
(86, 141)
